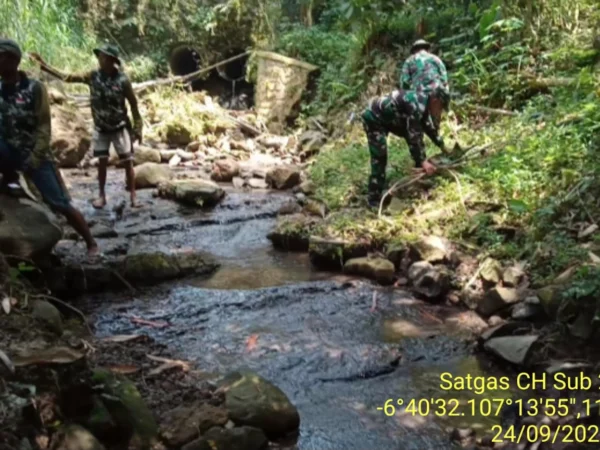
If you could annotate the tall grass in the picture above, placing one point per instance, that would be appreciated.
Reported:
(48, 27)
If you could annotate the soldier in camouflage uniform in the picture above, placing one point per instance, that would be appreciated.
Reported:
(405, 114)
(25, 129)
(425, 73)
(109, 88)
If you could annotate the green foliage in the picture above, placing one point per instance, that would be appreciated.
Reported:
(49, 27)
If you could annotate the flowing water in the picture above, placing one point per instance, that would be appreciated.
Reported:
(338, 347)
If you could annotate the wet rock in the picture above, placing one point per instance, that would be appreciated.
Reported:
(149, 175)
(47, 313)
(184, 424)
(430, 281)
(70, 137)
(513, 276)
(491, 272)
(513, 349)
(283, 177)
(202, 193)
(225, 170)
(253, 401)
(238, 182)
(461, 434)
(292, 232)
(257, 183)
(100, 230)
(432, 249)
(74, 437)
(524, 311)
(243, 438)
(154, 267)
(27, 228)
(126, 407)
(144, 154)
(378, 269)
(497, 299)
(333, 253)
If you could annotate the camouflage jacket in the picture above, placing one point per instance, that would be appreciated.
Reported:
(424, 72)
(403, 106)
(25, 122)
(108, 95)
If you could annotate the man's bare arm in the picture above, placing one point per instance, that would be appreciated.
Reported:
(66, 77)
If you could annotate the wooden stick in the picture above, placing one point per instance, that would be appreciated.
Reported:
(66, 305)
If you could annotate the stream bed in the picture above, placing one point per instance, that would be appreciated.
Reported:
(339, 347)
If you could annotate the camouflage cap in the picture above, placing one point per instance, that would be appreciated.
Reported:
(421, 43)
(109, 50)
(10, 46)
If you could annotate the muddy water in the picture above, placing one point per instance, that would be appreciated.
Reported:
(339, 348)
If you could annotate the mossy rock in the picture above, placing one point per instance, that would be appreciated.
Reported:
(378, 269)
(292, 232)
(126, 407)
(331, 253)
(158, 266)
(151, 266)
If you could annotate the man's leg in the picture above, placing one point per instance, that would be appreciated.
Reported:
(55, 194)
(101, 146)
(124, 148)
(414, 139)
(8, 166)
(377, 139)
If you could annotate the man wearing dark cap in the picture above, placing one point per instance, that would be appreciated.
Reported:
(426, 74)
(25, 132)
(109, 88)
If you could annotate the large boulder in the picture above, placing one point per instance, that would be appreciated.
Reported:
(144, 154)
(149, 175)
(378, 269)
(70, 136)
(514, 349)
(27, 228)
(177, 135)
(243, 438)
(283, 177)
(253, 401)
(433, 282)
(186, 423)
(203, 193)
(225, 170)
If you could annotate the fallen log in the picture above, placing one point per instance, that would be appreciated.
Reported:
(141, 87)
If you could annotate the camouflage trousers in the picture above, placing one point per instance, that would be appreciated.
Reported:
(377, 131)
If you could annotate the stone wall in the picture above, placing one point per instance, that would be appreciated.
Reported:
(280, 84)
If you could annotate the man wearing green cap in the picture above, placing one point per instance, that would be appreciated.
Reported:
(25, 130)
(426, 74)
(109, 88)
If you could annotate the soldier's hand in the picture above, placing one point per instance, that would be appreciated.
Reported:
(429, 168)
